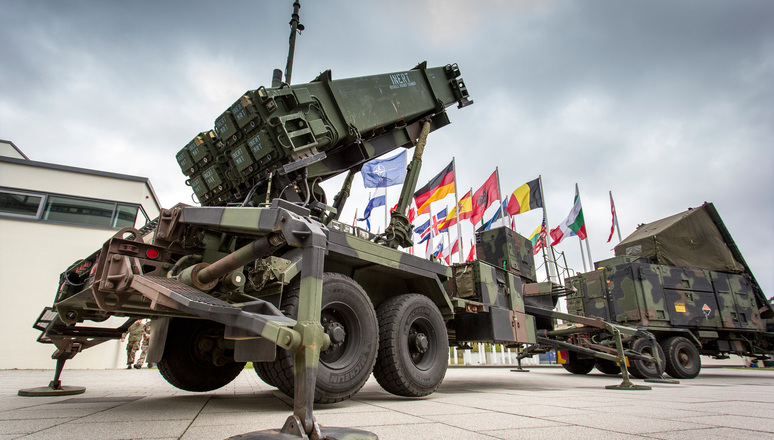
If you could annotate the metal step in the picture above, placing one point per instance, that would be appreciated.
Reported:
(252, 318)
(186, 296)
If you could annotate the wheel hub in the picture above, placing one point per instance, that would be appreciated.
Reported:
(418, 342)
(336, 332)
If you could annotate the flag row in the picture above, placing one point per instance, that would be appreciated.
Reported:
(472, 206)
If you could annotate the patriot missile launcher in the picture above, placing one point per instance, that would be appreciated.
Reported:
(684, 280)
(264, 271)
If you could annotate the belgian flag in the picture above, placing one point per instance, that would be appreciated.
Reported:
(526, 197)
(436, 189)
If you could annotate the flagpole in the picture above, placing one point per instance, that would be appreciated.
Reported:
(550, 269)
(588, 248)
(457, 210)
(543, 240)
(386, 210)
(615, 217)
(500, 194)
(583, 257)
(431, 240)
(368, 222)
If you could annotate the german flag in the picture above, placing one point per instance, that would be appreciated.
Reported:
(436, 189)
(525, 197)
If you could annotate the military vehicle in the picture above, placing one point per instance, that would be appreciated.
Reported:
(683, 279)
(264, 271)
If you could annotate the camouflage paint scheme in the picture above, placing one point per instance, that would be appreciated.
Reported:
(503, 247)
(266, 223)
(718, 309)
(496, 295)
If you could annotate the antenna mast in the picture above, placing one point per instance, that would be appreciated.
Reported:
(295, 26)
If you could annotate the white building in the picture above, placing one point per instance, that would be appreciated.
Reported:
(50, 216)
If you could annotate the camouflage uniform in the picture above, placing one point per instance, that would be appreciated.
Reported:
(133, 342)
(145, 343)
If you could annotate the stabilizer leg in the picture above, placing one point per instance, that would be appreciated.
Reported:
(303, 424)
(55, 387)
(661, 379)
(626, 384)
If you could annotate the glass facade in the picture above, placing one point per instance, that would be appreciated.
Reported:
(19, 204)
(70, 210)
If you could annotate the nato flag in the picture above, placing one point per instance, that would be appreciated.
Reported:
(384, 172)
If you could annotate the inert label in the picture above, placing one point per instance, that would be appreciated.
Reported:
(401, 80)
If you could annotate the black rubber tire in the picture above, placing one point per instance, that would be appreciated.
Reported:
(262, 370)
(642, 369)
(607, 367)
(189, 356)
(402, 368)
(682, 358)
(576, 365)
(345, 367)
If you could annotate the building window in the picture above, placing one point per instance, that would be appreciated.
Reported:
(71, 210)
(78, 211)
(19, 204)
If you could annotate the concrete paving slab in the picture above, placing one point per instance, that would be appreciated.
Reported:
(493, 420)
(139, 429)
(559, 432)
(712, 433)
(472, 403)
(426, 431)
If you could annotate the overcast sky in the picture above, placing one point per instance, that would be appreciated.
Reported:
(666, 103)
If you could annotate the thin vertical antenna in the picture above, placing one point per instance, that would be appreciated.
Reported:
(295, 26)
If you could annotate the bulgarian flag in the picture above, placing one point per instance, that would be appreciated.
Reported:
(572, 225)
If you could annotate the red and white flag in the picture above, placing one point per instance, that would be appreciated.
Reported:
(615, 220)
(472, 253)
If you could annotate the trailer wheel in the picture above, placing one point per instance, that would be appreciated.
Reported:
(607, 367)
(195, 358)
(264, 372)
(682, 358)
(348, 317)
(642, 369)
(576, 365)
(413, 346)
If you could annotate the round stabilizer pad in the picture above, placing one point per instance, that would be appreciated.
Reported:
(48, 391)
(328, 433)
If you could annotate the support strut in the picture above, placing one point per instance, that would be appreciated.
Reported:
(55, 387)
(303, 424)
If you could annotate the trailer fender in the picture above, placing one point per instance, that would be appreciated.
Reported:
(158, 340)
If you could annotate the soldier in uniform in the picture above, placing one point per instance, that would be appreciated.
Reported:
(145, 343)
(133, 343)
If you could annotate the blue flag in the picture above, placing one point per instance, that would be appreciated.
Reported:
(438, 220)
(379, 198)
(384, 172)
(438, 250)
(497, 216)
(422, 228)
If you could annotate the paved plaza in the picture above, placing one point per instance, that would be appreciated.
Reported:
(473, 403)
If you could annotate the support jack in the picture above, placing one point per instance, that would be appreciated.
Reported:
(55, 387)
(628, 386)
(519, 369)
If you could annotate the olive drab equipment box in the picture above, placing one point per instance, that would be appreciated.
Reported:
(497, 295)
(504, 248)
